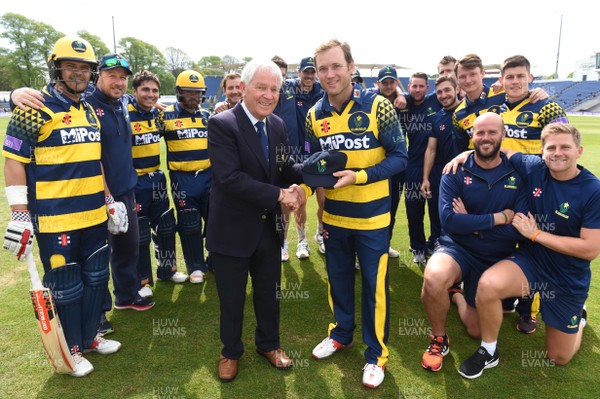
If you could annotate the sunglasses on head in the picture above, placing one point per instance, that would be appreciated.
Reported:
(111, 62)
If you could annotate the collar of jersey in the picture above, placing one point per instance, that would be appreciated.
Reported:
(98, 94)
(479, 100)
(64, 101)
(180, 110)
(326, 107)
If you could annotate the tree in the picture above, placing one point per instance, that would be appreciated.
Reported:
(167, 82)
(97, 44)
(231, 63)
(177, 60)
(142, 55)
(31, 43)
(210, 65)
(5, 73)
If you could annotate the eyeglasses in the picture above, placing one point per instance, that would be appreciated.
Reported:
(111, 62)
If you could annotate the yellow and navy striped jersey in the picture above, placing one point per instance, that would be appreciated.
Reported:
(466, 113)
(524, 122)
(186, 136)
(145, 139)
(368, 132)
(60, 147)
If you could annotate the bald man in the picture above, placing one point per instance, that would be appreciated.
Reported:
(476, 206)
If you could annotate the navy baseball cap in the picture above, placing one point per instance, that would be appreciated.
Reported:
(356, 75)
(307, 62)
(387, 72)
(111, 61)
(318, 169)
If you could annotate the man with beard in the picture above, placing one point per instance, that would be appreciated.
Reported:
(477, 205)
(185, 133)
(417, 124)
(55, 189)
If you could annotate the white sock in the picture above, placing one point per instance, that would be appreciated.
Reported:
(490, 347)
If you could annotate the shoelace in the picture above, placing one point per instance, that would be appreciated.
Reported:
(328, 344)
(372, 367)
(77, 357)
(435, 347)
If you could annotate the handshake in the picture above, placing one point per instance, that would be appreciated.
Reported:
(293, 197)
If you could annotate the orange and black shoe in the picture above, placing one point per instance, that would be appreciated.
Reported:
(434, 355)
(455, 289)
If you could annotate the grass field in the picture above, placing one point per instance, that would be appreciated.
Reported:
(172, 350)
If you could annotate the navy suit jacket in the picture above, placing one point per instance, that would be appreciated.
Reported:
(245, 189)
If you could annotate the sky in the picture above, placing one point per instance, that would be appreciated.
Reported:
(412, 34)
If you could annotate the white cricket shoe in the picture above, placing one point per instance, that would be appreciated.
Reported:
(373, 375)
(103, 346)
(146, 292)
(82, 366)
(178, 277)
(328, 347)
(303, 252)
(392, 253)
(419, 258)
(197, 277)
(320, 241)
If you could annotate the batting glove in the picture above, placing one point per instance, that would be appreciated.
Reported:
(118, 222)
(18, 238)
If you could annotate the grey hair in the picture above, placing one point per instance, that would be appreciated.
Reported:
(254, 66)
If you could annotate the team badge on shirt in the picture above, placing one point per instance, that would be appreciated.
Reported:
(468, 180)
(524, 119)
(358, 122)
(537, 192)
(89, 115)
(100, 112)
(511, 183)
(562, 210)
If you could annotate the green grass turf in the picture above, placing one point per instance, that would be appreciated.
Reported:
(172, 350)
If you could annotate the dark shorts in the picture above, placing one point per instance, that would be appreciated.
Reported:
(559, 309)
(471, 267)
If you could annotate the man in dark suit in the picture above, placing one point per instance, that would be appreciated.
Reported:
(244, 231)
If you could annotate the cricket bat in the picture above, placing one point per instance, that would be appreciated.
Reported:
(48, 323)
